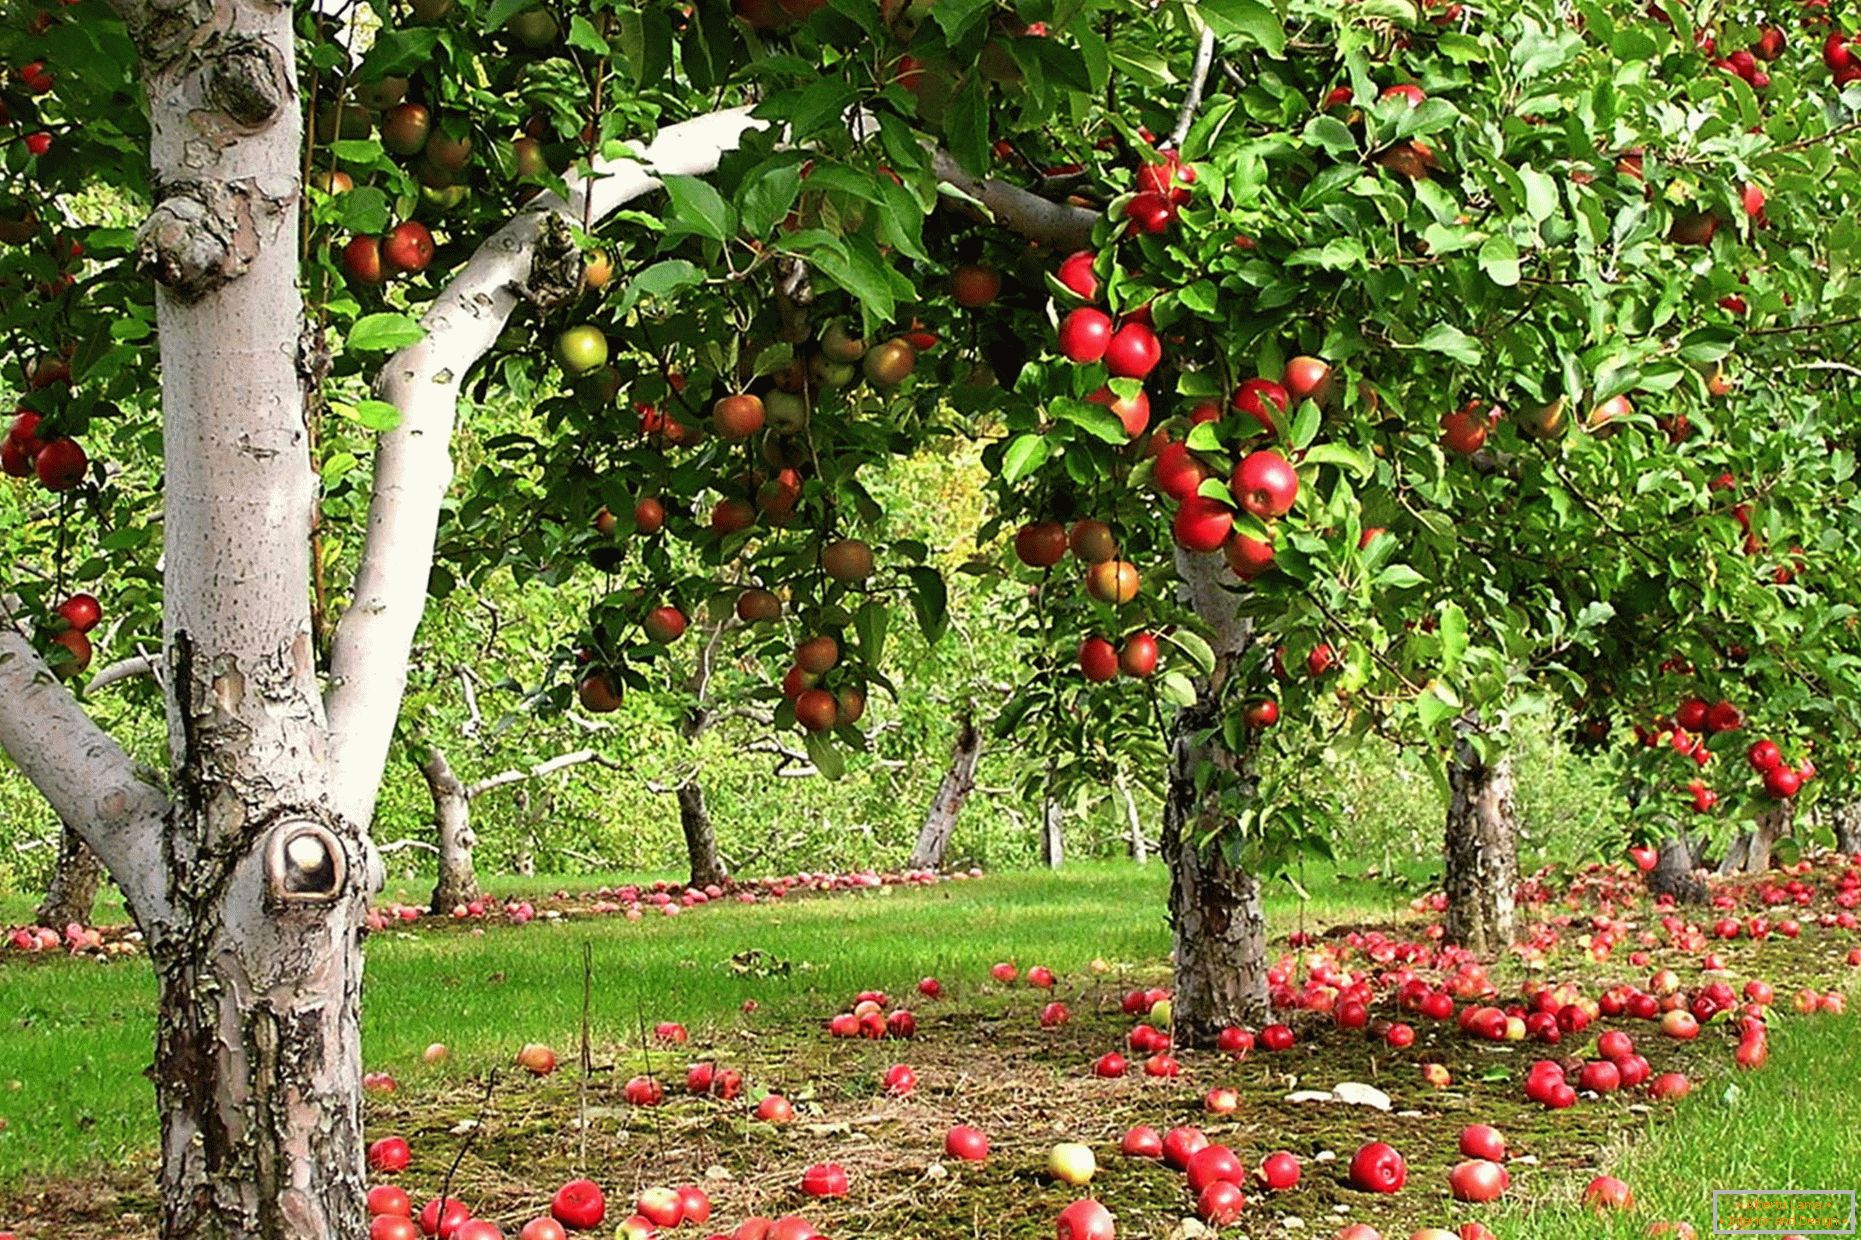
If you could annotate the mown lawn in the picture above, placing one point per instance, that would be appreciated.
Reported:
(75, 1102)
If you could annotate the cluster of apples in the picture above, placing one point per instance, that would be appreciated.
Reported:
(1782, 781)
(868, 1018)
(76, 938)
(580, 1205)
(58, 462)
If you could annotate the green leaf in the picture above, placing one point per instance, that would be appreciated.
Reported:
(377, 415)
(1198, 651)
(1453, 630)
(860, 270)
(1455, 343)
(1344, 456)
(381, 333)
(659, 281)
(931, 600)
(825, 755)
(698, 208)
(768, 196)
(1499, 259)
(870, 622)
(582, 34)
(966, 123)
(957, 16)
(1025, 454)
(1400, 577)
(1176, 689)
(1259, 22)
(1095, 420)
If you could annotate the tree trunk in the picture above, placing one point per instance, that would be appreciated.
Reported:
(452, 815)
(72, 893)
(1846, 819)
(958, 782)
(1675, 872)
(258, 1059)
(1134, 823)
(1215, 908)
(1052, 828)
(1481, 857)
(707, 868)
(1754, 855)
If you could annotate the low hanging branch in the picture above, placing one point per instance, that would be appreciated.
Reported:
(413, 466)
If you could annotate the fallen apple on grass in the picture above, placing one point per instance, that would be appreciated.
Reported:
(1376, 1167)
(1071, 1163)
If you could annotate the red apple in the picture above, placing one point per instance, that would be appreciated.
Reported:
(1378, 1168)
(1265, 484)
(966, 1143)
(1477, 1180)
(579, 1204)
(1605, 1192)
(1085, 1219)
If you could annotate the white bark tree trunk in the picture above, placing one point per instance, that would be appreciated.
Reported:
(1052, 828)
(1215, 907)
(959, 780)
(1481, 859)
(1133, 823)
(452, 817)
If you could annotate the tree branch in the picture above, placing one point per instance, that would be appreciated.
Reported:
(1198, 81)
(540, 771)
(121, 670)
(413, 466)
(89, 781)
(1057, 224)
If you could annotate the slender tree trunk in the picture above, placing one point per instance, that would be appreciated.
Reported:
(1675, 872)
(72, 894)
(1845, 818)
(1215, 907)
(1481, 857)
(707, 868)
(1134, 823)
(704, 864)
(958, 782)
(452, 815)
(1052, 826)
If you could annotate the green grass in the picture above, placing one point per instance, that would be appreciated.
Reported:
(1793, 1125)
(78, 1033)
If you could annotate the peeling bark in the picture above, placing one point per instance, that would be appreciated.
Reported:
(452, 816)
(72, 893)
(1846, 820)
(959, 780)
(706, 866)
(1676, 872)
(1215, 908)
(1481, 856)
(1750, 853)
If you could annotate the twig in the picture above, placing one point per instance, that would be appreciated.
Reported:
(1198, 79)
(581, 1101)
(1805, 143)
(484, 1109)
(540, 770)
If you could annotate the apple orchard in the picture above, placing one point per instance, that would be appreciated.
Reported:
(1340, 370)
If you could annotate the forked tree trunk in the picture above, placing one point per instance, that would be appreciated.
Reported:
(258, 1055)
(452, 816)
(706, 866)
(959, 780)
(1215, 907)
(72, 893)
(1676, 872)
(1845, 818)
(1481, 859)
(1750, 853)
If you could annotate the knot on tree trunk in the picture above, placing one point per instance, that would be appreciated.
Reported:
(556, 265)
(248, 82)
(204, 235)
(164, 30)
